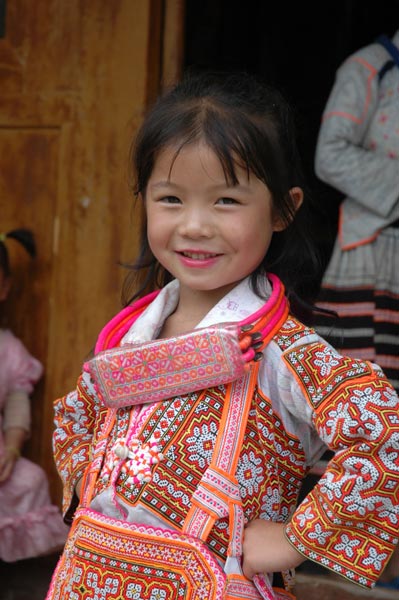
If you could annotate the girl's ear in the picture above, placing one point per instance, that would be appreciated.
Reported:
(5, 284)
(296, 194)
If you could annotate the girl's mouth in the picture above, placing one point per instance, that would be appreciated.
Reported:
(198, 255)
(196, 259)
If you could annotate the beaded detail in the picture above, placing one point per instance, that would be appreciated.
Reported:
(134, 459)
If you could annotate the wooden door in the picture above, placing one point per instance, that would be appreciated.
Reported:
(75, 78)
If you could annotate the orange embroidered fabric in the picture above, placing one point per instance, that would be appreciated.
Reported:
(303, 395)
(165, 563)
(353, 406)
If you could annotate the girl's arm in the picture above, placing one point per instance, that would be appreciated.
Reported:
(77, 417)
(349, 521)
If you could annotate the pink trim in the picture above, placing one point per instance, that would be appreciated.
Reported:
(276, 288)
(276, 298)
(111, 335)
(275, 319)
(121, 316)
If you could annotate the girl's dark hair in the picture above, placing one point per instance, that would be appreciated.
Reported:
(247, 123)
(23, 237)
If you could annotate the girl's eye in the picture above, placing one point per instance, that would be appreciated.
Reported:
(227, 201)
(170, 200)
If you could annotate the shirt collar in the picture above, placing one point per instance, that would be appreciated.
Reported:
(238, 304)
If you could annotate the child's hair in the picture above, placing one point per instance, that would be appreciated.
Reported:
(24, 237)
(246, 123)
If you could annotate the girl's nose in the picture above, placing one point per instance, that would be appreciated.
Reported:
(195, 223)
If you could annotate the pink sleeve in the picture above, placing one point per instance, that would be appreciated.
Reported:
(23, 369)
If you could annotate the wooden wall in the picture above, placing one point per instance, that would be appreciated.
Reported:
(75, 78)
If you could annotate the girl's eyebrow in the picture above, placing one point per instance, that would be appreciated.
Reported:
(161, 184)
(217, 186)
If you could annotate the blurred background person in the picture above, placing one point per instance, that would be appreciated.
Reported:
(30, 525)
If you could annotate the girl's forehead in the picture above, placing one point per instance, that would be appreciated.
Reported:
(171, 152)
(197, 166)
(197, 155)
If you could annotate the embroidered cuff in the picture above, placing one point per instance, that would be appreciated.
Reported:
(356, 550)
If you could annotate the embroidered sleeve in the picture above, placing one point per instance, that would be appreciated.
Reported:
(349, 521)
(341, 153)
(76, 415)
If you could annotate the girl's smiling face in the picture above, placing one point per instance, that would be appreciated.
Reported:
(206, 232)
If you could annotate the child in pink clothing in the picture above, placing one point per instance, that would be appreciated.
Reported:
(30, 525)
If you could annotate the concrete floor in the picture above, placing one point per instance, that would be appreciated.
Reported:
(314, 582)
(333, 587)
(26, 579)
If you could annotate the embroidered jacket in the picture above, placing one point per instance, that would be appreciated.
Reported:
(358, 145)
(308, 397)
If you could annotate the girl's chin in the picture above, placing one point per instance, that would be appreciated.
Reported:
(207, 289)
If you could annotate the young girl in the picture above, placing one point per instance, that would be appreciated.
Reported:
(29, 524)
(178, 440)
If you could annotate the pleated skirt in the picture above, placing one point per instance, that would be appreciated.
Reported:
(362, 286)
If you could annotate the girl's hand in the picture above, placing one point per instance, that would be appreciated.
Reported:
(267, 550)
(7, 462)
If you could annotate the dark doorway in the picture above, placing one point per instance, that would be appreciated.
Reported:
(298, 47)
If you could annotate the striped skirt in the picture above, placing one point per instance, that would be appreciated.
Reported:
(362, 286)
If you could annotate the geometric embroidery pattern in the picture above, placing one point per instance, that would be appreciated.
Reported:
(164, 368)
(105, 558)
(348, 398)
(284, 459)
(350, 406)
(165, 566)
(188, 455)
(290, 332)
(76, 436)
(320, 370)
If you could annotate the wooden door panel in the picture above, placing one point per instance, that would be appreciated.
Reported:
(28, 192)
(75, 79)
